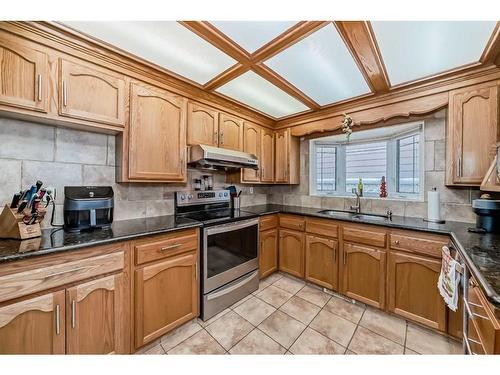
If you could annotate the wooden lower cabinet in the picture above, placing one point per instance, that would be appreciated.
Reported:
(166, 295)
(413, 291)
(95, 314)
(268, 256)
(363, 274)
(321, 261)
(34, 325)
(291, 252)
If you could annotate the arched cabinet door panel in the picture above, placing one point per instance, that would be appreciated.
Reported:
(321, 261)
(203, 125)
(230, 132)
(291, 252)
(266, 160)
(268, 256)
(251, 144)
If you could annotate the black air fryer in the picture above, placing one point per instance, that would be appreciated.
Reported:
(87, 207)
(488, 214)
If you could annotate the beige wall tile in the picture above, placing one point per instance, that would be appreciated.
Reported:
(10, 176)
(75, 146)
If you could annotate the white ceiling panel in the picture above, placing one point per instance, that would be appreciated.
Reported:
(165, 43)
(415, 49)
(251, 35)
(254, 91)
(322, 67)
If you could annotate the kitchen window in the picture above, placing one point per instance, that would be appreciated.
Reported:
(394, 152)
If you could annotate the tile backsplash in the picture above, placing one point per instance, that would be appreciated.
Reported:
(61, 157)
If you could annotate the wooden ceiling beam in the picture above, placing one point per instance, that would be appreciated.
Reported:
(284, 85)
(359, 38)
(491, 53)
(226, 76)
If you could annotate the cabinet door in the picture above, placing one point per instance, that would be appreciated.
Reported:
(291, 252)
(268, 256)
(95, 314)
(363, 274)
(157, 145)
(251, 144)
(166, 296)
(91, 93)
(472, 133)
(267, 156)
(413, 293)
(322, 261)
(33, 326)
(23, 75)
(282, 150)
(230, 132)
(203, 125)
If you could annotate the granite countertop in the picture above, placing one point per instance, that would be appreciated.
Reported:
(481, 252)
(57, 240)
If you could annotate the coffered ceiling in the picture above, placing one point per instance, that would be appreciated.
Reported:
(285, 68)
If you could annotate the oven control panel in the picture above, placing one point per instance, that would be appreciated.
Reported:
(184, 198)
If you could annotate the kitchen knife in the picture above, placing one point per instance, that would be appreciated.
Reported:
(38, 185)
(22, 206)
(15, 200)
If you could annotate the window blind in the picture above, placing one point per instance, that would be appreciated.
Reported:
(326, 164)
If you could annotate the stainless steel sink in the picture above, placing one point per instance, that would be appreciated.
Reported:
(354, 215)
(371, 217)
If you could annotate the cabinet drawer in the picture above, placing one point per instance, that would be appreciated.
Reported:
(322, 227)
(43, 278)
(268, 222)
(364, 236)
(292, 222)
(165, 246)
(426, 245)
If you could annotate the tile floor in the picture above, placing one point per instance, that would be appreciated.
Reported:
(288, 316)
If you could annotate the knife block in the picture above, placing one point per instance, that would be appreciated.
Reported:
(12, 226)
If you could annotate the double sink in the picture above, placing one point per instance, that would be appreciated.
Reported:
(355, 215)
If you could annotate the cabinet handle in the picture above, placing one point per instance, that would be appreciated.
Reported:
(344, 258)
(396, 242)
(459, 167)
(39, 87)
(164, 248)
(73, 314)
(216, 138)
(334, 253)
(58, 320)
(65, 94)
(196, 271)
(221, 138)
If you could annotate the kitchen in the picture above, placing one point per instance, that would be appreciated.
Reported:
(241, 203)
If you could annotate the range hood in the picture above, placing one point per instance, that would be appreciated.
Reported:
(209, 157)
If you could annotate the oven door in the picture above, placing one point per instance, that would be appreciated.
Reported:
(229, 251)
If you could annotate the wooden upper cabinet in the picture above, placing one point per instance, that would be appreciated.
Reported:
(230, 132)
(92, 93)
(251, 144)
(287, 158)
(166, 295)
(267, 156)
(268, 256)
(321, 261)
(412, 289)
(157, 135)
(33, 326)
(23, 75)
(203, 125)
(291, 252)
(472, 133)
(363, 274)
(95, 314)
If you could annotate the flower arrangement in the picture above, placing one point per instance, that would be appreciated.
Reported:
(347, 125)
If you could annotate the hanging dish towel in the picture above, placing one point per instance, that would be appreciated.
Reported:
(449, 279)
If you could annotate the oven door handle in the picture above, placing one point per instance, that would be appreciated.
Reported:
(232, 226)
(229, 289)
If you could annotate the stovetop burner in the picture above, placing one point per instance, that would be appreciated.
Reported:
(218, 215)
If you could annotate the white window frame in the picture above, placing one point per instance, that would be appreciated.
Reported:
(391, 166)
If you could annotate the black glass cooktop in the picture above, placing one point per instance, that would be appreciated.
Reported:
(219, 215)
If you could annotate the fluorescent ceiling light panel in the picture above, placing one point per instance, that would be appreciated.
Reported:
(251, 35)
(256, 92)
(322, 67)
(164, 43)
(415, 49)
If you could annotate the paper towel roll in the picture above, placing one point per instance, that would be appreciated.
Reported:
(433, 206)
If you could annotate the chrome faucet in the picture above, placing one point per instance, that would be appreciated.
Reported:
(357, 207)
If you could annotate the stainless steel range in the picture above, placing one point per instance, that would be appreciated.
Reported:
(229, 248)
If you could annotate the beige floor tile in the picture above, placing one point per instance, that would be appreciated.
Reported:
(425, 341)
(350, 352)
(274, 296)
(213, 318)
(236, 304)
(365, 341)
(314, 295)
(345, 309)
(300, 309)
(148, 347)
(199, 343)
(282, 328)
(410, 352)
(155, 350)
(229, 329)
(289, 284)
(334, 327)
(312, 342)
(273, 278)
(384, 324)
(256, 342)
(262, 285)
(255, 310)
(179, 334)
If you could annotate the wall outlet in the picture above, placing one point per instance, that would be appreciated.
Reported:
(251, 189)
